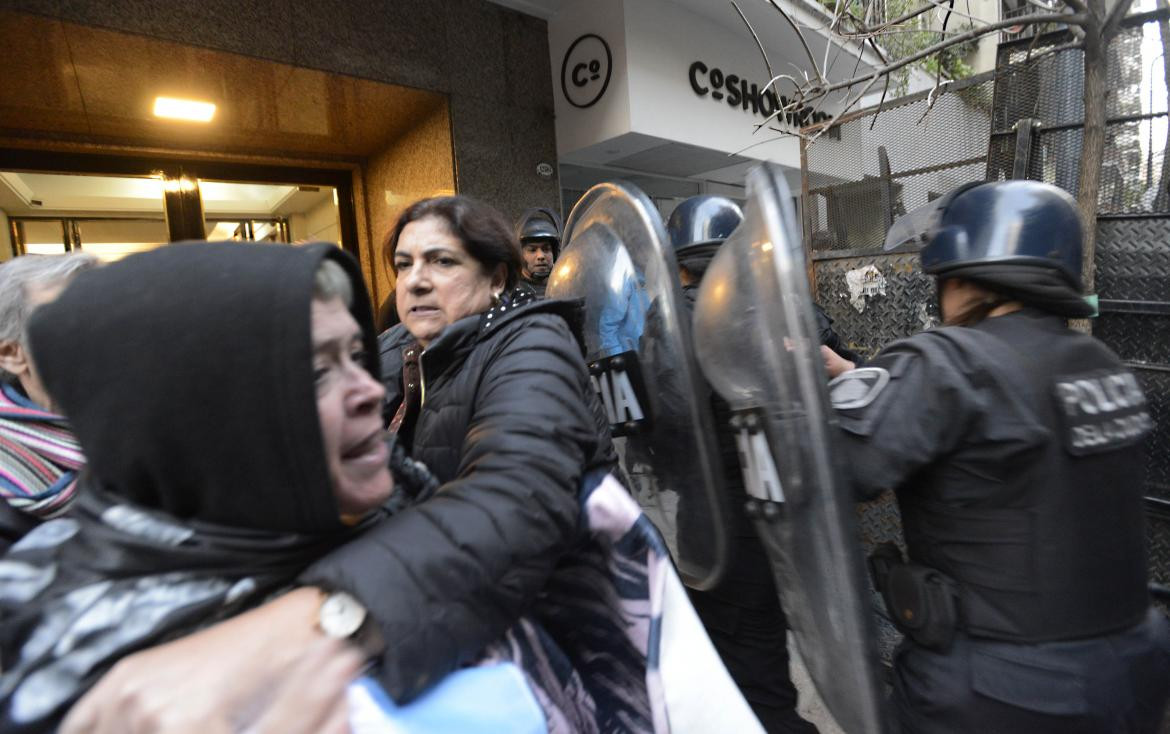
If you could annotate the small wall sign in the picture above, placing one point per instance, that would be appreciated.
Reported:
(586, 70)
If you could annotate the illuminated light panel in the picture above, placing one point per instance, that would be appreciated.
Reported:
(112, 251)
(173, 108)
(44, 248)
(182, 183)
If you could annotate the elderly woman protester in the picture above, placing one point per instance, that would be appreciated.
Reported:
(231, 417)
(39, 456)
(496, 400)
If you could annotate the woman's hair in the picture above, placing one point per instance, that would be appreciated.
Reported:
(18, 274)
(330, 281)
(483, 230)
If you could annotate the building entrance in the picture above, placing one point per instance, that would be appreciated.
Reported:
(113, 216)
(114, 143)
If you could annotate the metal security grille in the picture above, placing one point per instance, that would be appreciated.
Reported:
(1022, 120)
(1133, 224)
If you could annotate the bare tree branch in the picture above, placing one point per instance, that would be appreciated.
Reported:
(825, 63)
(968, 36)
(886, 27)
(906, 32)
(930, 98)
(1047, 7)
(767, 63)
(911, 15)
(881, 101)
(839, 117)
(846, 108)
(813, 93)
(800, 35)
(949, 6)
(1113, 20)
(783, 134)
(782, 77)
(779, 110)
(885, 89)
(1032, 46)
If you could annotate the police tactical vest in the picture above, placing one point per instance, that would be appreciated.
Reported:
(1057, 550)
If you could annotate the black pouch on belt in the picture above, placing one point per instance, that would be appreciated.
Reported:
(922, 602)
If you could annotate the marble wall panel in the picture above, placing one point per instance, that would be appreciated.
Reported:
(253, 27)
(397, 41)
(527, 62)
(415, 166)
(474, 55)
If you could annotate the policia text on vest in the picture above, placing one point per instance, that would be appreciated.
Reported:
(1102, 410)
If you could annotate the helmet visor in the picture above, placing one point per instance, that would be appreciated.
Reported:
(916, 226)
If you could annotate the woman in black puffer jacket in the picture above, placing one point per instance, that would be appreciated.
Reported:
(492, 394)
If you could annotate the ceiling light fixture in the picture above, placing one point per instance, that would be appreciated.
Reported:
(173, 108)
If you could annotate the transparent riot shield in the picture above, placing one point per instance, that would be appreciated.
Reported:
(616, 256)
(756, 342)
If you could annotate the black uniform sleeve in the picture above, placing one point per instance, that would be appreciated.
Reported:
(448, 576)
(920, 414)
(831, 339)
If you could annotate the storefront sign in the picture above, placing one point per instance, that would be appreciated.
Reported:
(586, 70)
(736, 91)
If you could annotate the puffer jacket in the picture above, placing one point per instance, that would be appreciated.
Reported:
(509, 424)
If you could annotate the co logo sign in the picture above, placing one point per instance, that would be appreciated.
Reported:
(586, 70)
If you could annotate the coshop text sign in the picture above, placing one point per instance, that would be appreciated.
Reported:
(739, 92)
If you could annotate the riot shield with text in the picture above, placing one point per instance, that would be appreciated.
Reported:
(757, 343)
(616, 256)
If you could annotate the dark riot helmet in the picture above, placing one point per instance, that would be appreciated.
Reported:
(540, 224)
(701, 223)
(992, 232)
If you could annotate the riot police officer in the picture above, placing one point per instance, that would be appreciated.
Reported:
(742, 615)
(539, 232)
(1015, 447)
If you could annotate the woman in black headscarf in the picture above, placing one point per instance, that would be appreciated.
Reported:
(220, 393)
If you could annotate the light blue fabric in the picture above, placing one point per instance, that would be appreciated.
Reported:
(490, 698)
(623, 314)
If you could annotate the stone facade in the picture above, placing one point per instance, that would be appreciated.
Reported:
(491, 62)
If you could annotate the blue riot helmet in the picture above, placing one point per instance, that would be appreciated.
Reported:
(699, 225)
(1020, 238)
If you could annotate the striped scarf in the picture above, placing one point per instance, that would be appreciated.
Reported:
(39, 456)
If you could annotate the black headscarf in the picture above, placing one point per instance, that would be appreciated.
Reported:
(187, 375)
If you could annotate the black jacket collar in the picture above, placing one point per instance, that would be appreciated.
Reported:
(457, 340)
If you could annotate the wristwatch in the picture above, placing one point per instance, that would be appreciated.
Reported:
(343, 617)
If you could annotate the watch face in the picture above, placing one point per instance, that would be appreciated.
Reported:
(341, 615)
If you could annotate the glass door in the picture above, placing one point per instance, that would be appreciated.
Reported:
(116, 205)
(260, 212)
(110, 216)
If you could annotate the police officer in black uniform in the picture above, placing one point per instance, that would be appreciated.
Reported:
(742, 615)
(539, 232)
(1015, 447)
